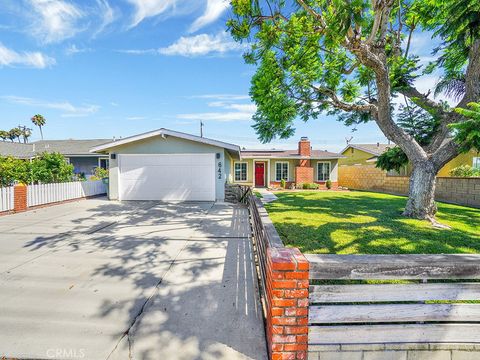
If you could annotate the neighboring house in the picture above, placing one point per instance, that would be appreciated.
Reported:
(264, 168)
(364, 154)
(77, 152)
(168, 165)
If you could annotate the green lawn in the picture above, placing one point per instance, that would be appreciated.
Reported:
(369, 223)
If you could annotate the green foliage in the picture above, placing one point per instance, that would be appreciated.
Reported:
(416, 122)
(310, 186)
(283, 183)
(392, 159)
(100, 173)
(3, 135)
(46, 168)
(328, 184)
(14, 170)
(467, 133)
(465, 171)
(51, 168)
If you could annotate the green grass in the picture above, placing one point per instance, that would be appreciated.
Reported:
(369, 223)
(257, 194)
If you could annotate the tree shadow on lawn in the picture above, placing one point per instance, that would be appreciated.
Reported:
(369, 223)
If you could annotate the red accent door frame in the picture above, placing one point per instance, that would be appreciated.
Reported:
(260, 174)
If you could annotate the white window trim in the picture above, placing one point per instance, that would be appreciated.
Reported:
(288, 170)
(100, 161)
(330, 170)
(476, 159)
(234, 173)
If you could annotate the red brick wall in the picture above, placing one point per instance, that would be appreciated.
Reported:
(304, 148)
(287, 303)
(20, 198)
(303, 174)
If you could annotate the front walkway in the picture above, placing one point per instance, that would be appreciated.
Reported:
(267, 196)
(104, 280)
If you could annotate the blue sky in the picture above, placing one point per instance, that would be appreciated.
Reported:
(104, 68)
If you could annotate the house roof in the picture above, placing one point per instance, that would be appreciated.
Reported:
(289, 154)
(69, 147)
(166, 132)
(18, 150)
(65, 147)
(374, 149)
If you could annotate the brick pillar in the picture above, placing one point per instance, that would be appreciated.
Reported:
(287, 307)
(20, 198)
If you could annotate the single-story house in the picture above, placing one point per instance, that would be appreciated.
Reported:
(77, 152)
(170, 165)
(267, 168)
(363, 154)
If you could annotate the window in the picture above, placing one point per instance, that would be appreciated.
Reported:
(476, 162)
(240, 171)
(281, 171)
(103, 163)
(323, 171)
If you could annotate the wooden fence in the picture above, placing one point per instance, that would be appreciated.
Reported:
(6, 198)
(407, 309)
(49, 193)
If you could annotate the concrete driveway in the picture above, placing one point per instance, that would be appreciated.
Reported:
(95, 279)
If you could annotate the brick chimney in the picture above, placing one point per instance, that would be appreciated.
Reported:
(304, 148)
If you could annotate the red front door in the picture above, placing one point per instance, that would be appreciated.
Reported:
(259, 174)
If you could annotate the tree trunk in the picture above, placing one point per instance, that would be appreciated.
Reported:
(421, 201)
(41, 132)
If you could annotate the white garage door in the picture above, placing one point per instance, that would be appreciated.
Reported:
(167, 177)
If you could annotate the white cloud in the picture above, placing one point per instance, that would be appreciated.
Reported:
(9, 57)
(136, 118)
(202, 44)
(54, 20)
(107, 13)
(215, 8)
(66, 107)
(232, 111)
(74, 49)
(149, 8)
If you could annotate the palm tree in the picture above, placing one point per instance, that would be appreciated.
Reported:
(39, 121)
(3, 135)
(15, 133)
(26, 133)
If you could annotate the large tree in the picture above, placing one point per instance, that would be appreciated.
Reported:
(353, 59)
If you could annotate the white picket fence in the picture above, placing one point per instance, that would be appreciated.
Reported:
(50, 193)
(6, 198)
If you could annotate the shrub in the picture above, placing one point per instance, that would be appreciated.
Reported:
(283, 183)
(46, 168)
(465, 171)
(328, 184)
(100, 173)
(310, 186)
(51, 168)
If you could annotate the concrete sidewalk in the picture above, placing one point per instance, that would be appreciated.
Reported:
(139, 280)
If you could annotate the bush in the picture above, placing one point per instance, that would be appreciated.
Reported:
(51, 168)
(328, 184)
(46, 168)
(14, 170)
(100, 173)
(465, 171)
(283, 183)
(310, 186)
